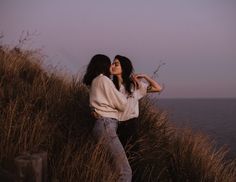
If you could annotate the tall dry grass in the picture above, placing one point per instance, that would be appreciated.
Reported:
(44, 110)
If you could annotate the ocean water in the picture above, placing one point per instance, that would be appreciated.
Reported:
(214, 117)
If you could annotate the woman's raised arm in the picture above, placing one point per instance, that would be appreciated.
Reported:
(153, 85)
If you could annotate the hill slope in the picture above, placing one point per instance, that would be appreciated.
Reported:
(42, 110)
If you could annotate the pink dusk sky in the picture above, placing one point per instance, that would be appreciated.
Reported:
(195, 38)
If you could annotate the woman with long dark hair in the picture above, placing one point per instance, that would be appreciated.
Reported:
(107, 102)
(131, 86)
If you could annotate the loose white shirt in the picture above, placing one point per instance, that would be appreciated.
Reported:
(132, 107)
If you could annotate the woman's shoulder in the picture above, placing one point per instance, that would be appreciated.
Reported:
(142, 85)
(141, 91)
(101, 79)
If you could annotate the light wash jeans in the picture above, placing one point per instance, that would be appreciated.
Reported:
(105, 129)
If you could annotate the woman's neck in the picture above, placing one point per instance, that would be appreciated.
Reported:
(120, 79)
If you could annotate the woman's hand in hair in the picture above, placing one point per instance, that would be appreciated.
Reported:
(141, 76)
(136, 81)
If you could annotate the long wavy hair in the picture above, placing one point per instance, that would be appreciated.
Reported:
(127, 70)
(99, 64)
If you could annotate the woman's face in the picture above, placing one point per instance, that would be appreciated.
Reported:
(115, 68)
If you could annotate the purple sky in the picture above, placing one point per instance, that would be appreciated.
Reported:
(195, 38)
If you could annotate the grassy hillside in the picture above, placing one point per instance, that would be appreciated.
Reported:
(44, 110)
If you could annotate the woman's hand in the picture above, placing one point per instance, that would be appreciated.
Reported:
(136, 81)
(95, 115)
(140, 76)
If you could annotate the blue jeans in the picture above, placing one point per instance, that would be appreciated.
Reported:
(105, 129)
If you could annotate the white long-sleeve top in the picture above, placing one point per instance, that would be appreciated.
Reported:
(105, 98)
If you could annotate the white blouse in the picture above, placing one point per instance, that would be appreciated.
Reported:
(132, 107)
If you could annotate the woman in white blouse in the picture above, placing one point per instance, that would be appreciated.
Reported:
(134, 87)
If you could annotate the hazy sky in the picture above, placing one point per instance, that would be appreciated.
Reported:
(195, 38)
